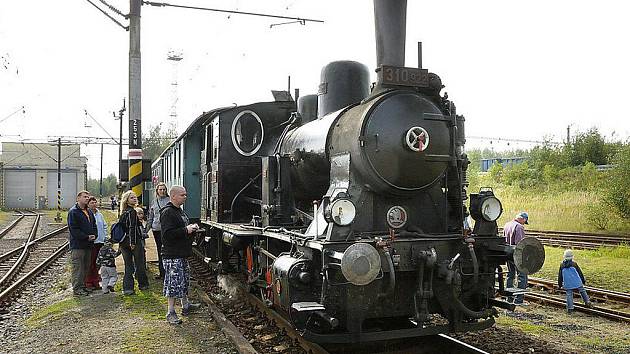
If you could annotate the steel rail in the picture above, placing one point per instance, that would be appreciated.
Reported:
(309, 347)
(594, 292)
(460, 346)
(445, 343)
(34, 272)
(16, 250)
(11, 225)
(598, 311)
(23, 256)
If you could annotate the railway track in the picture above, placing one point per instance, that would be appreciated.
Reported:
(596, 310)
(577, 240)
(598, 294)
(424, 345)
(21, 264)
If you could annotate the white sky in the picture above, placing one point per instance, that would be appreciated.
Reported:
(523, 70)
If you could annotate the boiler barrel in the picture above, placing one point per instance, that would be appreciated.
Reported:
(310, 168)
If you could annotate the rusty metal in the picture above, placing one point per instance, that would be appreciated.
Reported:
(34, 272)
(23, 256)
(11, 225)
(596, 310)
(594, 293)
(17, 250)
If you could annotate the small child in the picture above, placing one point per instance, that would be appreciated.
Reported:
(143, 223)
(106, 259)
(571, 278)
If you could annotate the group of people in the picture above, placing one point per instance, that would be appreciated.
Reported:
(172, 231)
(570, 277)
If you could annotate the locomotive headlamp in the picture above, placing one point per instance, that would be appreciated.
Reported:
(360, 263)
(485, 206)
(341, 212)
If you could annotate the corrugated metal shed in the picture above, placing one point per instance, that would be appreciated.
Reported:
(28, 175)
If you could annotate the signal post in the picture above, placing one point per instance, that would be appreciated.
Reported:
(135, 131)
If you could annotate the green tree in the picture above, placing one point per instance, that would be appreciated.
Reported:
(617, 188)
(109, 186)
(157, 140)
(589, 147)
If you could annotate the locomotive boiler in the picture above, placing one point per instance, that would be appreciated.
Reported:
(345, 212)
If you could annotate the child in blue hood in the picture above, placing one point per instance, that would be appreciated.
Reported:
(570, 278)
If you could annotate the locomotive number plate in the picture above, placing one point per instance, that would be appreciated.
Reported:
(400, 76)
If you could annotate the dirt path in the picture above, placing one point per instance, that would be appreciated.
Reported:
(108, 323)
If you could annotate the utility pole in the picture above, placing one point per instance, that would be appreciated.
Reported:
(100, 185)
(121, 112)
(135, 131)
(568, 134)
(58, 217)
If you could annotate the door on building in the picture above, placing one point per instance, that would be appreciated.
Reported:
(19, 188)
(68, 189)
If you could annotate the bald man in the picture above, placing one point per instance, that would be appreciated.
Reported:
(177, 237)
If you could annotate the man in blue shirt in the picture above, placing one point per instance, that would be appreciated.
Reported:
(514, 232)
(82, 226)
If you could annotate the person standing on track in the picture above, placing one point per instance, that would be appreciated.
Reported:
(153, 222)
(514, 232)
(82, 226)
(177, 237)
(92, 278)
(570, 278)
(132, 247)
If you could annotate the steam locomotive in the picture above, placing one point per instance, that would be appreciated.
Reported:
(346, 211)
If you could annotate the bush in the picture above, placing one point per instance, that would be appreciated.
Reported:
(496, 172)
(617, 187)
(598, 215)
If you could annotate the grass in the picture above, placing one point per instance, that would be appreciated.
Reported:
(524, 326)
(4, 216)
(559, 211)
(53, 312)
(53, 213)
(609, 345)
(147, 339)
(606, 267)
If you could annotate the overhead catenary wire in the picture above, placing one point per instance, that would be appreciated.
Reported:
(111, 7)
(164, 4)
(99, 124)
(126, 28)
(515, 140)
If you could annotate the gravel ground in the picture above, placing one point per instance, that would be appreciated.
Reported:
(46, 318)
(261, 333)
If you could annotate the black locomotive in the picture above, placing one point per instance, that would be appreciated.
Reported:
(346, 212)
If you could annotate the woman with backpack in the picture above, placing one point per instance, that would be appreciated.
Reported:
(153, 222)
(132, 246)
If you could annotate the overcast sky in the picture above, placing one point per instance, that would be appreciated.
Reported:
(520, 70)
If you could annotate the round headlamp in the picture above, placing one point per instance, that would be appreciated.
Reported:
(341, 212)
(491, 208)
(485, 206)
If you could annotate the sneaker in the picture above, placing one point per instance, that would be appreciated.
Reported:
(589, 305)
(80, 293)
(129, 292)
(190, 308)
(172, 318)
(143, 288)
(111, 288)
(521, 303)
(570, 311)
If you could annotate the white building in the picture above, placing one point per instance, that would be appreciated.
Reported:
(28, 175)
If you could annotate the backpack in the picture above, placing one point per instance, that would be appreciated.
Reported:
(118, 233)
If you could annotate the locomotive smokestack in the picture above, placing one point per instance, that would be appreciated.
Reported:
(390, 20)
